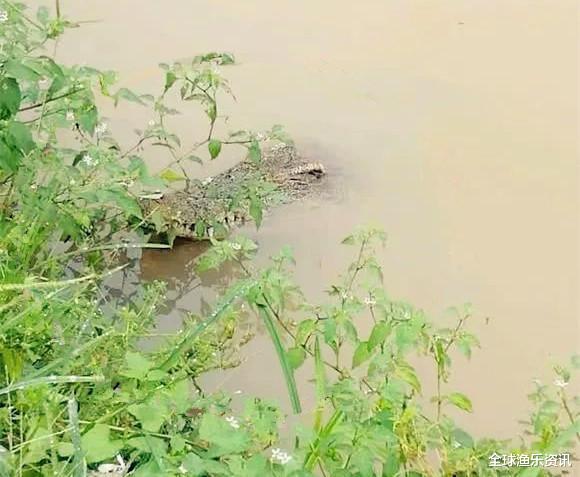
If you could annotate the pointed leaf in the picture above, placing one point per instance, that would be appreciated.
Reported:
(214, 147)
(361, 354)
(296, 357)
(461, 401)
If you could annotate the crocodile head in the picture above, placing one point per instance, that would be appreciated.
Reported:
(292, 173)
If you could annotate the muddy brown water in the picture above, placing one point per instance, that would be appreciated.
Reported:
(451, 124)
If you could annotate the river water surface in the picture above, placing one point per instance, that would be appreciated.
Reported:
(451, 124)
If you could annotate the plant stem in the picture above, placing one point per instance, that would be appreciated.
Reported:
(566, 407)
(49, 100)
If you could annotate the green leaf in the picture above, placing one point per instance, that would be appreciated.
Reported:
(10, 97)
(350, 240)
(465, 343)
(211, 110)
(128, 95)
(98, 444)
(170, 79)
(361, 354)
(65, 449)
(193, 464)
(461, 401)
(392, 464)
(87, 118)
(407, 373)
(214, 147)
(39, 444)
(380, 332)
(221, 434)
(463, 438)
(19, 71)
(148, 469)
(180, 396)
(170, 175)
(177, 443)
(256, 209)
(304, 330)
(122, 199)
(136, 365)
(43, 15)
(254, 152)
(10, 157)
(20, 136)
(149, 444)
(227, 59)
(296, 356)
(150, 415)
(194, 158)
(566, 436)
(107, 79)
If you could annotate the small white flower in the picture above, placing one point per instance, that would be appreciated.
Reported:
(232, 421)
(238, 391)
(101, 129)
(560, 383)
(151, 123)
(33, 186)
(3, 16)
(70, 116)
(72, 182)
(236, 246)
(89, 160)
(370, 301)
(280, 456)
(113, 469)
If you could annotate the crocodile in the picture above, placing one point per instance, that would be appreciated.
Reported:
(210, 207)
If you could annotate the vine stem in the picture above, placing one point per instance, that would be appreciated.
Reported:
(49, 100)
(568, 410)
(440, 364)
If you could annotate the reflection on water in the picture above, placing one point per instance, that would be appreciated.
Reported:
(453, 125)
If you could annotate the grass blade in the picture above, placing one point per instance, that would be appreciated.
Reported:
(320, 384)
(313, 454)
(238, 290)
(57, 284)
(79, 462)
(50, 380)
(284, 364)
